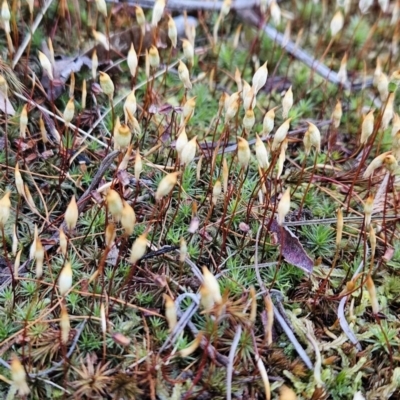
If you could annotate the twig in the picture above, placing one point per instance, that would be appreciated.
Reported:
(342, 319)
(334, 220)
(193, 4)
(303, 355)
(28, 37)
(184, 317)
(277, 314)
(293, 49)
(73, 127)
(229, 367)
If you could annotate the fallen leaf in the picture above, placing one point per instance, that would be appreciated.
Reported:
(292, 250)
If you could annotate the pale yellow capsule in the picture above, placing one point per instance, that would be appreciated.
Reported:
(377, 72)
(189, 151)
(154, 57)
(71, 214)
(51, 51)
(95, 64)
(181, 141)
(30, 5)
(122, 137)
(248, 120)
(138, 165)
(18, 376)
(102, 7)
(110, 234)
(128, 218)
(63, 242)
(286, 393)
(275, 12)
(269, 308)
(339, 226)
(29, 198)
(23, 121)
(84, 94)
(103, 319)
(132, 61)
(261, 153)
(375, 163)
(206, 298)
(100, 38)
(3, 86)
(183, 250)
(367, 127)
(225, 8)
(211, 284)
(138, 249)
(382, 85)
(14, 247)
(284, 206)
(238, 80)
(43, 131)
(184, 76)
(69, 111)
(372, 239)
(65, 326)
(140, 18)
(188, 51)
(225, 174)
(312, 138)
(186, 352)
(390, 162)
(46, 65)
(232, 109)
(337, 23)
(337, 114)
(172, 32)
(395, 124)
(243, 152)
(260, 78)
(287, 103)
(19, 183)
(114, 204)
(216, 193)
(388, 112)
(249, 99)
(282, 158)
(106, 84)
(368, 209)
(280, 134)
(65, 279)
(39, 257)
(166, 185)
(372, 294)
(5, 208)
(158, 11)
(188, 109)
(17, 263)
(269, 122)
(170, 312)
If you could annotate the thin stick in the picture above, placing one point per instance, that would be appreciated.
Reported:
(28, 37)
